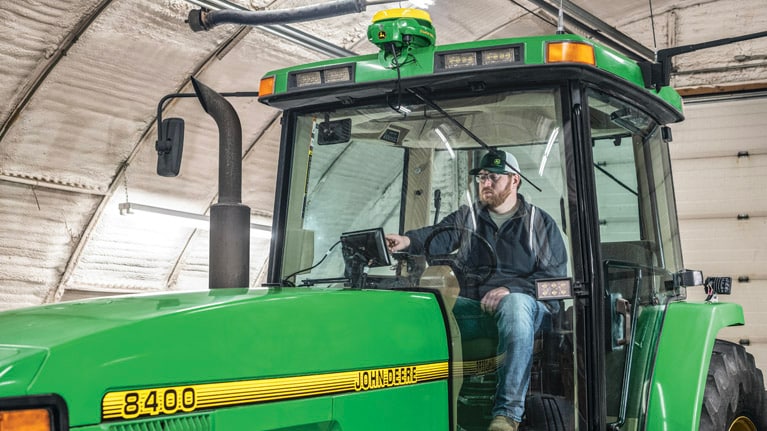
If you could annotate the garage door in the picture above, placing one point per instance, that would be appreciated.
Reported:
(719, 160)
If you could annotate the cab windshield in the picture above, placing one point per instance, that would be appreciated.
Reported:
(405, 167)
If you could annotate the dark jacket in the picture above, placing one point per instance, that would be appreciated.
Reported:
(528, 246)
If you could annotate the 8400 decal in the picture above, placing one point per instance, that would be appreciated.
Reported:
(149, 402)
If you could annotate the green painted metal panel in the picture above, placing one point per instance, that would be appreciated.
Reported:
(18, 367)
(119, 344)
(684, 350)
(308, 414)
(671, 97)
(419, 407)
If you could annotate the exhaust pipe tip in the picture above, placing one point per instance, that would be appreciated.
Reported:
(203, 93)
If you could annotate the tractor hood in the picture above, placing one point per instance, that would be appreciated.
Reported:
(18, 367)
(93, 351)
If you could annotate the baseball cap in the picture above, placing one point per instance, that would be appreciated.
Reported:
(497, 163)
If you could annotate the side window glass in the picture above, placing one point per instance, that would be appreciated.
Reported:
(636, 210)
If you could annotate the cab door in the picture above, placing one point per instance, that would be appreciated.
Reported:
(638, 247)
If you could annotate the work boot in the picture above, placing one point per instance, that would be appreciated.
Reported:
(502, 423)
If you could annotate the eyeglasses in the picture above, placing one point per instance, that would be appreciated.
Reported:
(481, 178)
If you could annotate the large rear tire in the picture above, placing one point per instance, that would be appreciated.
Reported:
(734, 399)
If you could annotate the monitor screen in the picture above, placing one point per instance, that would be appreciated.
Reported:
(367, 246)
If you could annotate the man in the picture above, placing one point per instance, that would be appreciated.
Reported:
(528, 246)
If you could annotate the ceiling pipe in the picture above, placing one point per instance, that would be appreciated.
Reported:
(200, 20)
(285, 31)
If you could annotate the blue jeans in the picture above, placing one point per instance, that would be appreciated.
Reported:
(516, 321)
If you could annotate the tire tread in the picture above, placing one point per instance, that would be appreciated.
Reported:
(734, 388)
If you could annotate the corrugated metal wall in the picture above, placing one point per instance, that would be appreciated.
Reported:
(719, 158)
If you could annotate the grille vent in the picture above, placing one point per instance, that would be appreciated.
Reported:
(184, 423)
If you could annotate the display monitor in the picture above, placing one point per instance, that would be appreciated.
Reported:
(366, 247)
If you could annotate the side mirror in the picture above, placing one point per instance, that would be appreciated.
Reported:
(170, 146)
(334, 132)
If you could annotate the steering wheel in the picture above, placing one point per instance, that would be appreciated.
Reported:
(473, 275)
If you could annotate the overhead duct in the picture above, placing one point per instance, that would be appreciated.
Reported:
(201, 19)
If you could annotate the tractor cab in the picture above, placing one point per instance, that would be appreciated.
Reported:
(386, 144)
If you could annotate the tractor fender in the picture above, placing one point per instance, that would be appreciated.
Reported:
(684, 351)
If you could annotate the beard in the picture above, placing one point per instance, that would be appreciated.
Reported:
(494, 199)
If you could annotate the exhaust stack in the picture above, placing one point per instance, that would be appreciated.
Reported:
(229, 218)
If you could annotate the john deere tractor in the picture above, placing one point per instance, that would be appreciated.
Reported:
(348, 336)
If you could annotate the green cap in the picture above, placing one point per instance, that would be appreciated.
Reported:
(497, 163)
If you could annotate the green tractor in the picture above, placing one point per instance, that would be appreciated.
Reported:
(348, 336)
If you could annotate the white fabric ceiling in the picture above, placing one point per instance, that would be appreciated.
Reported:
(80, 81)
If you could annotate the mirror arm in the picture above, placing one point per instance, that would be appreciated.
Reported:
(167, 97)
(163, 145)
